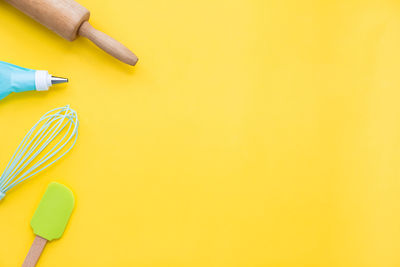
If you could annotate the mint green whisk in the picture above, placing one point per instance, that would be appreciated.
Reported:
(49, 140)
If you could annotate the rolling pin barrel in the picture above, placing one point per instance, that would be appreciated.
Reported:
(64, 17)
(69, 19)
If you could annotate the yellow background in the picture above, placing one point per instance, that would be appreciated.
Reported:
(251, 133)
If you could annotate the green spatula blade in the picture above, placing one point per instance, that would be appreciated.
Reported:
(52, 215)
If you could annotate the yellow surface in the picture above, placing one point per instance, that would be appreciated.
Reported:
(251, 133)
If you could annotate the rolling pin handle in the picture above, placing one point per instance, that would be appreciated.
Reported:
(108, 44)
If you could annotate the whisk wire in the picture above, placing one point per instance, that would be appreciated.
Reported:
(60, 142)
(61, 124)
(29, 157)
(32, 174)
(36, 140)
(44, 159)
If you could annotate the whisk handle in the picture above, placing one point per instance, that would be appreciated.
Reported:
(34, 252)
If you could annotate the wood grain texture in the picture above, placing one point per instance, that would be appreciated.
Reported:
(69, 19)
(34, 252)
(64, 17)
(108, 44)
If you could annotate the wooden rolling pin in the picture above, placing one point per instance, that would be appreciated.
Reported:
(69, 19)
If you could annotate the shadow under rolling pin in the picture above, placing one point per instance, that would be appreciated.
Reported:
(69, 19)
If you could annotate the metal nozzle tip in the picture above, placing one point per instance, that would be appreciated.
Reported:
(57, 80)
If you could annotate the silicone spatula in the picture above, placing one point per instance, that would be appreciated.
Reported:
(50, 219)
